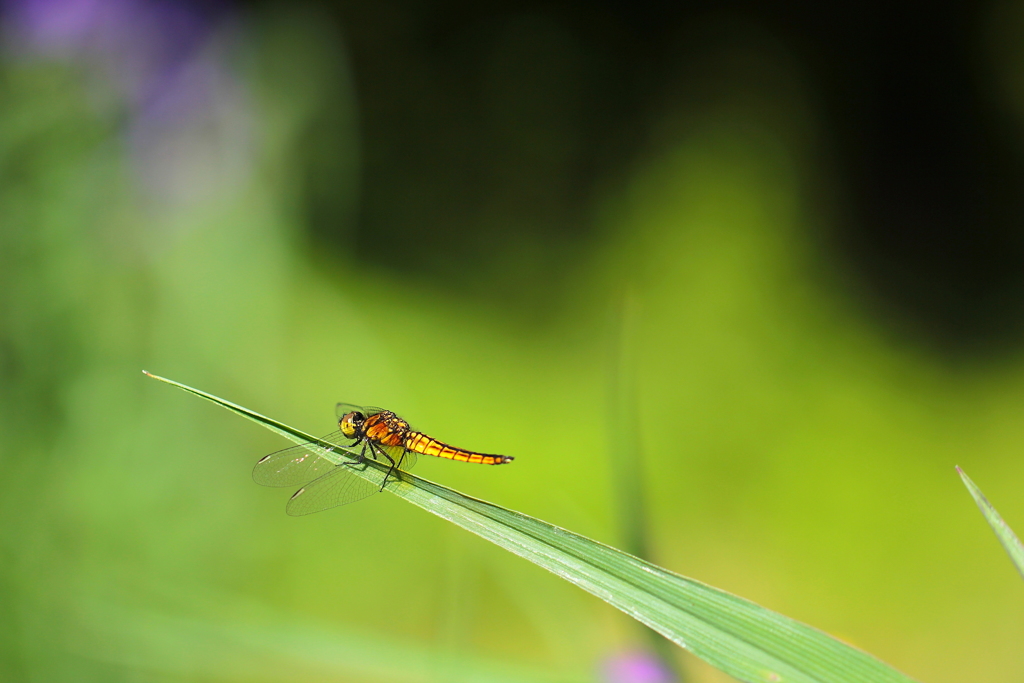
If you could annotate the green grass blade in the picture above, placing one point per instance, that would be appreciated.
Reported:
(735, 635)
(1003, 531)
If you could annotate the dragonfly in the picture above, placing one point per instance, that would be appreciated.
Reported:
(328, 481)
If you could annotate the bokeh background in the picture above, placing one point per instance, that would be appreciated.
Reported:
(737, 283)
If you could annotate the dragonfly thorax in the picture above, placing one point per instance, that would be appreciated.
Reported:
(385, 428)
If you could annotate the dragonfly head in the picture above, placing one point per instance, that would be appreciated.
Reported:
(351, 424)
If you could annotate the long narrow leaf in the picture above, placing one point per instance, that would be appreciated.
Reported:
(735, 635)
(1002, 529)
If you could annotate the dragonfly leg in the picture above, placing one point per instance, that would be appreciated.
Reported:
(361, 460)
(390, 469)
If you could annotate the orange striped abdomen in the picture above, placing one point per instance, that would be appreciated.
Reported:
(419, 442)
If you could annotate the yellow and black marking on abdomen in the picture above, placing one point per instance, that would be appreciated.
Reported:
(418, 442)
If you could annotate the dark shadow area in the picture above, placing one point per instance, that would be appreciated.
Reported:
(486, 128)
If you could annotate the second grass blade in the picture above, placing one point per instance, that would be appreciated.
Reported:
(1002, 529)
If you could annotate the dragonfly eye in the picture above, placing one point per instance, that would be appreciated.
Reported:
(351, 424)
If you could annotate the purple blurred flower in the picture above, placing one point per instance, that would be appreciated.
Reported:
(162, 67)
(53, 25)
(636, 667)
(138, 42)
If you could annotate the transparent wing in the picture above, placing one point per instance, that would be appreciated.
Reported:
(408, 460)
(299, 464)
(339, 486)
(342, 408)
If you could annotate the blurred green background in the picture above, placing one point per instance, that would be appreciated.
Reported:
(769, 258)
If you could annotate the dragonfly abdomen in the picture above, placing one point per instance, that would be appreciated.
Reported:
(419, 442)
